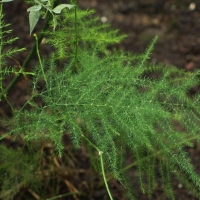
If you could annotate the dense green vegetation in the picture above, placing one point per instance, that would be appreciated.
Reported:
(105, 100)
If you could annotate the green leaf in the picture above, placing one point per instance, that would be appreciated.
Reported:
(4, 1)
(59, 8)
(33, 19)
(34, 8)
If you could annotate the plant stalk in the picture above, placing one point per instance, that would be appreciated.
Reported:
(30, 55)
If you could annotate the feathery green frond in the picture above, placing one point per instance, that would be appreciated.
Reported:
(111, 104)
(5, 53)
(17, 169)
(90, 32)
(116, 107)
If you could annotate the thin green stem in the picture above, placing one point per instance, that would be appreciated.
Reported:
(155, 154)
(159, 152)
(31, 53)
(95, 147)
(76, 41)
(39, 58)
(102, 166)
(104, 176)
(27, 60)
(1, 70)
(9, 103)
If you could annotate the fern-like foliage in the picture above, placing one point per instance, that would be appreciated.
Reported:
(5, 41)
(116, 108)
(112, 106)
(81, 28)
(18, 169)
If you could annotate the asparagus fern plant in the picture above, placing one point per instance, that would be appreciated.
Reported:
(105, 100)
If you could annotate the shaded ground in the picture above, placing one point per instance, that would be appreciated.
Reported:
(177, 23)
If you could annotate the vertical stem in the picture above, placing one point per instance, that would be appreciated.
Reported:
(2, 91)
(102, 166)
(76, 42)
(39, 58)
(31, 53)
(1, 70)
(104, 176)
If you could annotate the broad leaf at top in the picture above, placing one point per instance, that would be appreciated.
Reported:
(34, 8)
(4, 1)
(33, 19)
(59, 8)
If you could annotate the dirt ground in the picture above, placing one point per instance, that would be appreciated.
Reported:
(176, 22)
